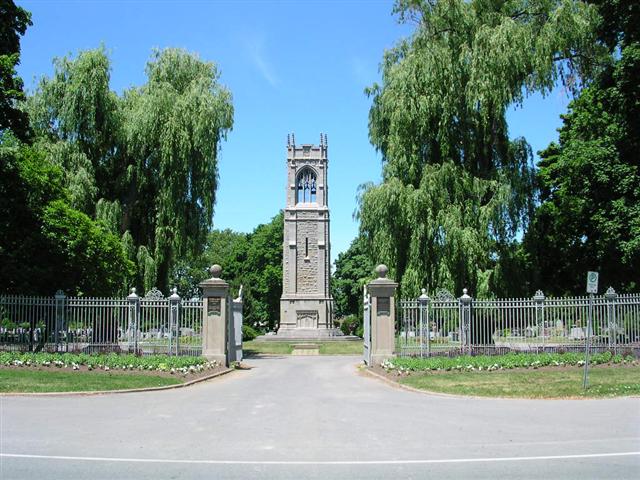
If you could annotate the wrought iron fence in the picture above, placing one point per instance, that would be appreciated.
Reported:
(148, 325)
(446, 325)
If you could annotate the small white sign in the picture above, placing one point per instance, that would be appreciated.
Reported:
(592, 282)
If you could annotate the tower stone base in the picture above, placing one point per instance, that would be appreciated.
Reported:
(306, 318)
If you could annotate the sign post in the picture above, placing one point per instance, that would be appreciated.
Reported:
(592, 288)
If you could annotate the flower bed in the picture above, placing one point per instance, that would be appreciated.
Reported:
(153, 363)
(402, 366)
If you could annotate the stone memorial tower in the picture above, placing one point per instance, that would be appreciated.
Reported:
(306, 303)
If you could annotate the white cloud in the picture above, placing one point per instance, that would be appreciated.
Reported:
(256, 49)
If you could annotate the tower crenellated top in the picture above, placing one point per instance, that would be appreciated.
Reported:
(307, 150)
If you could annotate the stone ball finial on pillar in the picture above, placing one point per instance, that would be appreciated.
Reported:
(465, 298)
(382, 270)
(424, 298)
(215, 271)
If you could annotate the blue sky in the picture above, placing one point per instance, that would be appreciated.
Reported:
(292, 66)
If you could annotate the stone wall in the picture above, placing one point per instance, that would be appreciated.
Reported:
(307, 266)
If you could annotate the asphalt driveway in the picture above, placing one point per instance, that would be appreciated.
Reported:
(314, 417)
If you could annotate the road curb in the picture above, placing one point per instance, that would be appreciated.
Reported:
(109, 392)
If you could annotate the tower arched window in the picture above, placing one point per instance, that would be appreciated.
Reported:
(306, 186)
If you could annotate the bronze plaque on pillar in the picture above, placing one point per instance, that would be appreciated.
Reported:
(213, 306)
(384, 306)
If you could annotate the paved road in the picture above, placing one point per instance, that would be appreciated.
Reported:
(314, 417)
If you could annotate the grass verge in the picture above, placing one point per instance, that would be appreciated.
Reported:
(38, 381)
(341, 348)
(605, 381)
(285, 348)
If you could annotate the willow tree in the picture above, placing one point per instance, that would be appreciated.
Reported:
(75, 118)
(456, 189)
(173, 127)
(144, 163)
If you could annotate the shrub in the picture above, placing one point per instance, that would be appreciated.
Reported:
(45, 244)
(350, 324)
(88, 257)
(249, 333)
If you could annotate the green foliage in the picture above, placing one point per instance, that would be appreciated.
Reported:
(79, 173)
(620, 22)
(354, 268)
(261, 274)
(46, 245)
(109, 214)
(14, 21)
(249, 333)
(75, 115)
(456, 190)
(27, 184)
(146, 269)
(350, 324)
(174, 126)
(223, 247)
(148, 157)
(87, 258)
(589, 218)
(253, 261)
(499, 362)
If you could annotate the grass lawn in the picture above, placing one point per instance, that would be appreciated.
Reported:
(285, 348)
(605, 381)
(341, 348)
(32, 381)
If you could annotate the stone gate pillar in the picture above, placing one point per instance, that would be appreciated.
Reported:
(215, 304)
(383, 315)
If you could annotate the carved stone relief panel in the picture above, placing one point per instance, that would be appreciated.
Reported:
(307, 318)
